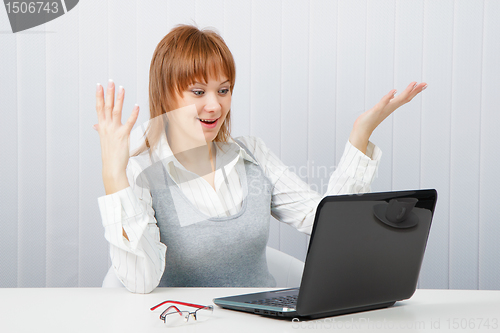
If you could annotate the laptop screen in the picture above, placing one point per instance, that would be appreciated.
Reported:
(365, 249)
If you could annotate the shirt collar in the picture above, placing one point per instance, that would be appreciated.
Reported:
(242, 152)
(165, 154)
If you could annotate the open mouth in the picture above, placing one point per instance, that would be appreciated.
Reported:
(210, 123)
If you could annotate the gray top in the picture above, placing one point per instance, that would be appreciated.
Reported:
(214, 251)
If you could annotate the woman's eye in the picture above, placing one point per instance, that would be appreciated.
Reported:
(223, 91)
(198, 92)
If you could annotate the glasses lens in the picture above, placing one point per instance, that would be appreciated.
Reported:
(176, 318)
(204, 313)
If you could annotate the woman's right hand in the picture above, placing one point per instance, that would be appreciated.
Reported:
(114, 136)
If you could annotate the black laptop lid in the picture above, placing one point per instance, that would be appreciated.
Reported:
(365, 250)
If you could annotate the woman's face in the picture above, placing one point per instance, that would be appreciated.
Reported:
(199, 104)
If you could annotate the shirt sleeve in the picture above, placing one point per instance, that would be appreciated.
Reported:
(139, 262)
(293, 200)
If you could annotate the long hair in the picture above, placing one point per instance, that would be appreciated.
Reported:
(185, 55)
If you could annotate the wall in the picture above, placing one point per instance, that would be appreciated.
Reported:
(305, 71)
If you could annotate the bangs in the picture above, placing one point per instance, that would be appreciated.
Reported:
(203, 56)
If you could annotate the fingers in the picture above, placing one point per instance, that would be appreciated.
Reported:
(130, 121)
(110, 100)
(99, 102)
(107, 109)
(117, 109)
(386, 99)
(418, 88)
(133, 118)
(404, 97)
(410, 92)
(390, 95)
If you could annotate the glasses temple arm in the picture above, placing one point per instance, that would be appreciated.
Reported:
(179, 303)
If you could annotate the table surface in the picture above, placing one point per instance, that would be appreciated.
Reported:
(117, 310)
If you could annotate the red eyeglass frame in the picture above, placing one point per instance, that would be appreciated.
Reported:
(162, 315)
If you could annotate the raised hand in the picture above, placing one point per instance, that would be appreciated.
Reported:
(366, 123)
(114, 136)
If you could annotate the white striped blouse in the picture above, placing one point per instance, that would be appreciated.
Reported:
(139, 262)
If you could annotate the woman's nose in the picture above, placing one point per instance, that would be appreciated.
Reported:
(212, 103)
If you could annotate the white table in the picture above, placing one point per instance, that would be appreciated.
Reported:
(117, 310)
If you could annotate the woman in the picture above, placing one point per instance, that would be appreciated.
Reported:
(208, 203)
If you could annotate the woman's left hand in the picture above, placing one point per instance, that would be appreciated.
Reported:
(368, 121)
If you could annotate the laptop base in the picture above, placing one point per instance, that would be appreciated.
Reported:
(294, 314)
(244, 303)
(347, 311)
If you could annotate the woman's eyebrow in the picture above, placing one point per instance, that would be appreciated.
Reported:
(204, 84)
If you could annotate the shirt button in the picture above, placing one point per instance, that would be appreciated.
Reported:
(359, 174)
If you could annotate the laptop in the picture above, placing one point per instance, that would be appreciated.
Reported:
(365, 253)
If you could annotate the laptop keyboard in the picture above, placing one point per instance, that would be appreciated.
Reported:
(280, 302)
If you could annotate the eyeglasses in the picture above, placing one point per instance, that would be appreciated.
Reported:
(172, 316)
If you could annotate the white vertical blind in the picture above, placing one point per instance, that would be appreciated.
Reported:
(489, 210)
(294, 102)
(265, 82)
(9, 147)
(322, 94)
(378, 79)
(93, 68)
(62, 152)
(351, 69)
(464, 155)
(32, 158)
(435, 135)
(406, 126)
(305, 71)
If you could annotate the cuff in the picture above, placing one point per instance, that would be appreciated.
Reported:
(373, 152)
(361, 166)
(119, 206)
